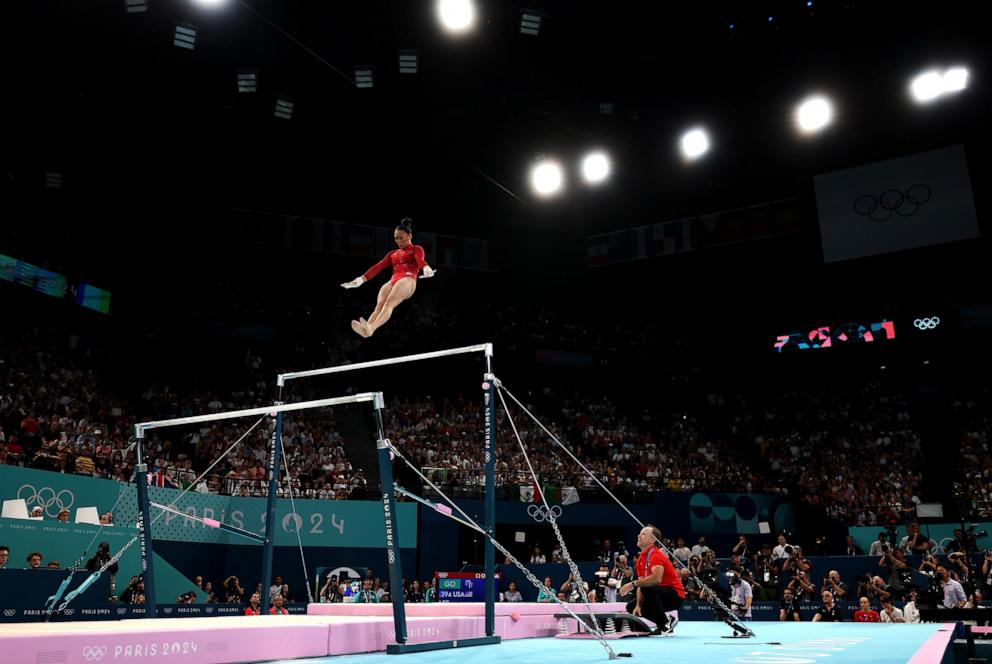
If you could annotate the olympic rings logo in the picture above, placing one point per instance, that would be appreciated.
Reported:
(9, 613)
(893, 201)
(47, 498)
(542, 513)
(926, 323)
(94, 653)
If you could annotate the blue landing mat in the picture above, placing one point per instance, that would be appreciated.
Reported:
(698, 643)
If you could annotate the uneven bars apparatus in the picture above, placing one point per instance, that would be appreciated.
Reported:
(141, 473)
(389, 499)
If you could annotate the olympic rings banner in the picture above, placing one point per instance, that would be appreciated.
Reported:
(329, 523)
(898, 204)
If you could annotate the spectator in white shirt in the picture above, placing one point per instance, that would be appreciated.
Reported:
(889, 613)
(910, 613)
(681, 551)
(701, 548)
(511, 594)
(780, 552)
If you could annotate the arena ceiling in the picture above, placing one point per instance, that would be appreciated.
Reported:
(106, 99)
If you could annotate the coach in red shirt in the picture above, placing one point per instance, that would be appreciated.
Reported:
(659, 588)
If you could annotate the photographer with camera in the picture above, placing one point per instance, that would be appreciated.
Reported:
(601, 585)
(833, 585)
(709, 572)
(783, 549)
(623, 574)
(741, 548)
(956, 544)
(914, 542)
(234, 590)
(969, 539)
(571, 589)
(101, 558)
(959, 561)
(330, 591)
(900, 573)
(740, 595)
(796, 562)
(693, 591)
(135, 588)
(987, 570)
(767, 572)
(800, 585)
(879, 546)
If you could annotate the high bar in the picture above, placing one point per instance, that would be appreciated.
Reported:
(139, 429)
(487, 348)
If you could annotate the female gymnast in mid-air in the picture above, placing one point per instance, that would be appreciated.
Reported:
(407, 260)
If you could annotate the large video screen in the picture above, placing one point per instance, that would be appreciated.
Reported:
(53, 284)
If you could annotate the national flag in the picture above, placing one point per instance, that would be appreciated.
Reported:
(527, 493)
(760, 221)
(641, 242)
(678, 236)
(619, 246)
(785, 216)
(733, 226)
(708, 229)
(597, 250)
(658, 239)
(569, 495)
(551, 494)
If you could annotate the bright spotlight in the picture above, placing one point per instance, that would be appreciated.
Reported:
(955, 79)
(209, 4)
(927, 86)
(546, 178)
(813, 114)
(933, 84)
(595, 167)
(695, 143)
(456, 15)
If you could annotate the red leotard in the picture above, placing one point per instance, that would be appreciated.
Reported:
(406, 263)
(651, 558)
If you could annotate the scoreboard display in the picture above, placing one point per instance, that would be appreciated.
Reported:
(921, 327)
(462, 586)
